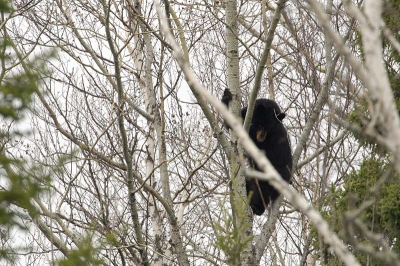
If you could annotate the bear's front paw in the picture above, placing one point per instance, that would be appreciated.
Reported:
(227, 97)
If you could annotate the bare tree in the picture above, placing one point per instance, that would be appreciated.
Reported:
(128, 124)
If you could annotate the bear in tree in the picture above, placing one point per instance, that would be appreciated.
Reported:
(269, 135)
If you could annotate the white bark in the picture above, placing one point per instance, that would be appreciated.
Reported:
(380, 90)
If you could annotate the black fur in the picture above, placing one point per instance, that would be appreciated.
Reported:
(269, 135)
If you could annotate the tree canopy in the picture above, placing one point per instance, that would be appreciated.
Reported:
(115, 149)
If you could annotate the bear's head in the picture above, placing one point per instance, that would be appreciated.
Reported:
(267, 117)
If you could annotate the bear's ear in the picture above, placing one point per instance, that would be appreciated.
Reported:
(244, 111)
(281, 116)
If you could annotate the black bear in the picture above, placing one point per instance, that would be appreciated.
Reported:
(269, 135)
